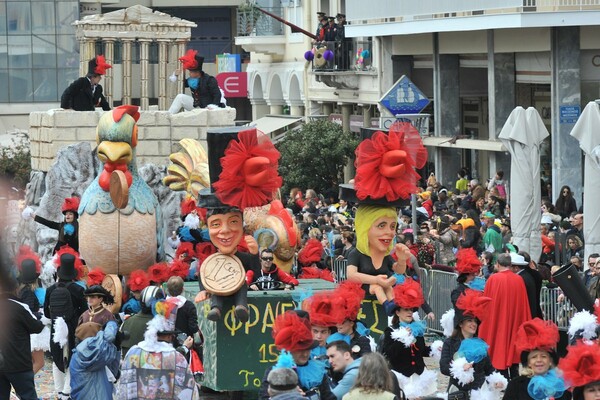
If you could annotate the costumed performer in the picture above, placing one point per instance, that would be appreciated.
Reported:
(68, 229)
(468, 267)
(536, 342)
(97, 298)
(581, 370)
(385, 178)
(352, 296)
(464, 356)
(243, 173)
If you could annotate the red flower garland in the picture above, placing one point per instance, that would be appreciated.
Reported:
(249, 175)
(385, 164)
(179, 268)
(138, 280)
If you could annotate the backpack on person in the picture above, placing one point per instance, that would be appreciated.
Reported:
(61, 303)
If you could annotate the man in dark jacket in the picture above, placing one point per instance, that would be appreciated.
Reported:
(17, 323)
(205, 89)
(533, 284)
(85, 93)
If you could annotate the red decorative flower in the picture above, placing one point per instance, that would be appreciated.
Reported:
(249, 177)
(186, 248)
(158, 273)
(473, 303)
(188, 61)
(311, 252)
(179, 268)
(352, 296)
(326, 309)
(467, 261)
(188, 206)
(536, 334)
(203, 250)
(316, 273)
(581, 365)
(25, 253)
(101, 65)
(385, 164)
(138, 280)
(409, 294)
(70, 204)
(95, 277)
(292, 333)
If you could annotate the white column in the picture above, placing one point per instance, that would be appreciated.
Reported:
(162, 74)
(126, 71)
(109, 54)
(144, 100)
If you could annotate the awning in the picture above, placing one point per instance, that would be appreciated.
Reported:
(472, 144)
(271, 123)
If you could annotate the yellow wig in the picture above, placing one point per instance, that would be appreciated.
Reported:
(366, 215)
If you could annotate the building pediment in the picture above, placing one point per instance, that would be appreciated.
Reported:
(134, 15)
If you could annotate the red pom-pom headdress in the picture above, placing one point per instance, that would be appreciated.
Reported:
(537, 334)
(66, 249)
(325, 309)
(581, 365)
(98, 65)
(138, 280)
(311, 252)
(292, 333)
(70, 204)
(188, 206)
(467, 261)
(190, 60)
(158, 273)
(203, 250)
(95, 277)
(25, 253)
(385, 164)
(408, 294)
(249, 176)
(352, 296)
(179, 268)
(473, 303)
(185, 248)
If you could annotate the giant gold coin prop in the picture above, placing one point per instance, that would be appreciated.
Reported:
(222, 274)
(112, 283)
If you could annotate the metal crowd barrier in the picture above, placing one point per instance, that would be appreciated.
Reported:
(437, 288)
(558, 312)
(339, 270)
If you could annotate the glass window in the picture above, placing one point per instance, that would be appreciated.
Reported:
(67, 50)
(3, 84)
(3, 53)
(18, 17)
(2, 18)
(66, 76)
(44, 51)
(19, 52)
(42, 16)
(66, 13)
(20, 86)
(44, 85)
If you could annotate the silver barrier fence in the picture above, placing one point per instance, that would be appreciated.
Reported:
(437, 287)
(339, 270)
(559, 312)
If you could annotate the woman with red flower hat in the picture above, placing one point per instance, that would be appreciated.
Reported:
(468, 267)
(85, 93)
(581, 369)
(536, 341)
(352, 296)
(404, 345)
(68, 230)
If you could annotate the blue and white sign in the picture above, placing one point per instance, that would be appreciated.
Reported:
(404, 98)
(569, 114)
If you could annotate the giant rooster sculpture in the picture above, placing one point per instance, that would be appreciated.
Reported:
(120, 223)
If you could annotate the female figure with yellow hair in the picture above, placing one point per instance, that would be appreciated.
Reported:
(385, 178)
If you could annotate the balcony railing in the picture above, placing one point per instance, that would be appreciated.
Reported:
(347, 55)
(251, 22)
(359, 11)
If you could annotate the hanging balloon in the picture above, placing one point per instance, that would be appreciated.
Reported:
(358, 53)
(366, 54)
(328, 55)
(309, 56)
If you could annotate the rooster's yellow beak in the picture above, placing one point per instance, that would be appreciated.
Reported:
(115, 152)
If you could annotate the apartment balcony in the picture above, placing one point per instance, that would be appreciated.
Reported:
(340, 65)
(260, 33)
(424, 16)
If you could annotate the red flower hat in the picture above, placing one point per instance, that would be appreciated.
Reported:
(292, 333)
(158, 273)
(179, 268)
(138, 280)
(249, 176)
(188, 206)
(352, 296)
(385, 164)
(325, 309)
(185, 248)
(95, 277)
(467, 261)
(537, 334)
(101, 65)
(25, 253)
(473, 303)
(408, 294)
(311, 252)
(189, 60)
(316, 273)
(581, 365)
(70, 204)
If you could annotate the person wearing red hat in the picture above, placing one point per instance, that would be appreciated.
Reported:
(138, 281)
(581, 370)
(68, 230)
(325, 310)
(468, 266)
(85, 93)
(403, 344)
(508, 310)
(293, 337)
(536, 342)
(352, 295)
(205, 89)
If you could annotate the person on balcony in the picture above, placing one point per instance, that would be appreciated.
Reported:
(343, 44)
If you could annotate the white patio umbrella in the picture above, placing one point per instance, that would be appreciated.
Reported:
(522, 135)
(587, 132)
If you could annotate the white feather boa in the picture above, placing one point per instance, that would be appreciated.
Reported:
(418, 385)
(61, 332)
(447, 322)
(457, 370)
(489, 391)
(583, 321)
(403, 335)
(41, 341)
(436, 350)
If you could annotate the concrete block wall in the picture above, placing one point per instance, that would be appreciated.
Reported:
(158, 132)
